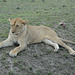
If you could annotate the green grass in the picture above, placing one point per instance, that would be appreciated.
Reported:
(48, 51)
(35, 55)
(7, 67)
(65, 55)
(30, 67)
(11, 72)
(48, 13)
(49, 73)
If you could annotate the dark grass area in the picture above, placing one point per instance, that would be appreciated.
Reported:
(38, 59)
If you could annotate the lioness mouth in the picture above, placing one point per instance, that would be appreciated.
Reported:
(15, 34)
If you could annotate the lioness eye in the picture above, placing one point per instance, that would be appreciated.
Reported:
(17, 26)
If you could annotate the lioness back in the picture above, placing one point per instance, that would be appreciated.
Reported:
(39, 33)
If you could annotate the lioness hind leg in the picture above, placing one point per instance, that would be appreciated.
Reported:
(47, 41)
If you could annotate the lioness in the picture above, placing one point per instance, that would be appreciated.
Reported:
(24, 34)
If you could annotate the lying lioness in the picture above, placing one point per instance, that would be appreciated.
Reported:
(24, 34)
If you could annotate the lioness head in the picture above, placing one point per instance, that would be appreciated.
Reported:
(17, 25)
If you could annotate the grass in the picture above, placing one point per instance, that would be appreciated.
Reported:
(65, 55)
(39, 72)
(21, 67)
(11, 72)
(48, 13)
(48, 51)
(3, 58)
(30, 67)
(7, 67)
(49, 73)
(35, 55)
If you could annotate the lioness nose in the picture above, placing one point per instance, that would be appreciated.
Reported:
(12, 32)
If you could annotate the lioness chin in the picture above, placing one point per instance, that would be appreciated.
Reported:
(24, 34)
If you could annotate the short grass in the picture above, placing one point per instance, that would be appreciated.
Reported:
(48, 13)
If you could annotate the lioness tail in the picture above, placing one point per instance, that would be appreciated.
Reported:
(64, 40)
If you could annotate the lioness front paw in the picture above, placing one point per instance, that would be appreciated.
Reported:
(12, 54)
(73, 53)
(56, 50)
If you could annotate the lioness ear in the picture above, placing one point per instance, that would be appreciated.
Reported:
(25, 22)
(9, 19)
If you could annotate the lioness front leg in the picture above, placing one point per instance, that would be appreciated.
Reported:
(5, 43)
(17, 50)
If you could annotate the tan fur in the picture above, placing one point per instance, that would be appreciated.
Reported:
(24, 34)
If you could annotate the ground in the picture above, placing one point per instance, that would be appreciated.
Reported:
(38, 59)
